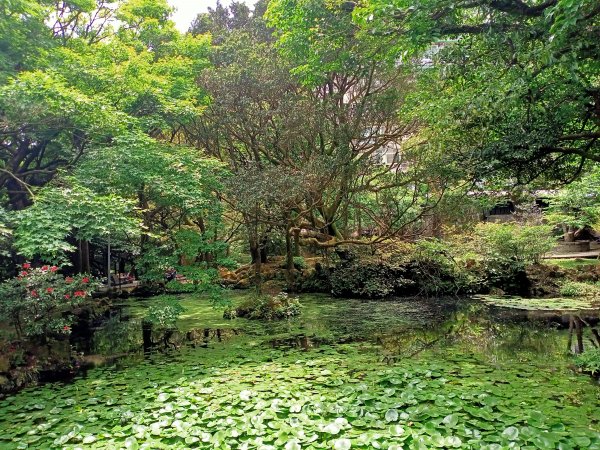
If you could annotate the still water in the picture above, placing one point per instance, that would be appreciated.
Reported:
(437, 373)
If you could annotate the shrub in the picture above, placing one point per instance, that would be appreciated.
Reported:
(39, 301)
(278, 307)
(578, 289)
(368, 279)
(507, 248)
(589, 361)
(445, 267)
(300, 263)
(229, 313)
(165, 314)
(512, 243)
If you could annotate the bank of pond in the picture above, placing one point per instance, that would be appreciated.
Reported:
(486, 373)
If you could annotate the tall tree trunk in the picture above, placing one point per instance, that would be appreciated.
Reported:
(84, 256)
(17, 196)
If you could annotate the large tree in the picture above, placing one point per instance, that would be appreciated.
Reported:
(505, 85)
(96, 82)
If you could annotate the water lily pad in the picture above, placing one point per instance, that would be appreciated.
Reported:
(342, 444)
(391, 415)
(540, 304)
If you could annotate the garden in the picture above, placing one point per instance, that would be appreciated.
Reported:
(299, 224)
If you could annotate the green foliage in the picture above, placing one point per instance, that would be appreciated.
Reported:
(369, 279)
(577, 205)
(589, 361)
(342, 398)
(512, 243)
(579, 289)
(277, 307)
(299, 263)
(443, 267)
(487, 74)
(164, 315)
(229, 313)
(538, 304)
(39, 302)
(43, 229)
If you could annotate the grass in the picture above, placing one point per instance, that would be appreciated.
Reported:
(572, 263)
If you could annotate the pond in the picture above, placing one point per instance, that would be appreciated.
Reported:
(412, 374)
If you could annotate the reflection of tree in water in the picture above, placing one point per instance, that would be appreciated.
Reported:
(577, 327)
(172, 338)
(495, 334)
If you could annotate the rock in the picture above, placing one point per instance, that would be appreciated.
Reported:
(5, 384)
(4, 363)
(496, 291)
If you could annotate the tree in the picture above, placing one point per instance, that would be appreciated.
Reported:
(107, 94)
(576, 206)
(92, 88)
(513, 84)
(60, 212)
(356, 90)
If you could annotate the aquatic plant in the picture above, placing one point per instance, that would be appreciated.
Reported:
(538, 304)
(335, 398)
(589, 361)
(579, 289)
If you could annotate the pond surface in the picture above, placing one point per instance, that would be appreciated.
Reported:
(413, 374)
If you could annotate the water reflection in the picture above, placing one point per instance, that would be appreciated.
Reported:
(398, 329)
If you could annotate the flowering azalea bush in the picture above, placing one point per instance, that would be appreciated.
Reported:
(38, 302)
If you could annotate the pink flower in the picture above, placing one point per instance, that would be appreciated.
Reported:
(34, 293)
(85, 280)
(79, 293)
(67, 296)
(44, 268)
(66, 328)
(53, 269)
(50, 290)
(69, 279)
(23, 274)
(26, 266)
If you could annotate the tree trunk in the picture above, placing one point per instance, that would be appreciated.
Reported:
(297, 242)
(569, 234)
(289, 259)
(17, 196)
(258, 276)
(84, 257)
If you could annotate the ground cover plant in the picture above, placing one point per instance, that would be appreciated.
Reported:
(540, 304)
(480, 387)
(332, 399)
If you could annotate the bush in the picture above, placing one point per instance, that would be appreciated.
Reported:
(299, 263)
(578, 289)
(39, 302)
(589, 361)
(369, 279)
(165, 314)
(278, 307)
(229, 313)
(512, 243)
(445, 267)
(505, 250)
